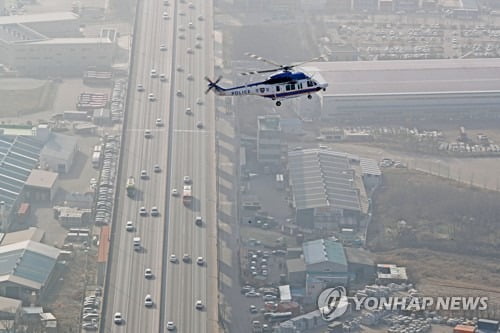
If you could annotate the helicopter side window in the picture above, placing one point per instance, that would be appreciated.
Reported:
(292, 87)
(277, 88)
(287, 87)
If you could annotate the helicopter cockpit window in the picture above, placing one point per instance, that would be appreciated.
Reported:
(310, 83)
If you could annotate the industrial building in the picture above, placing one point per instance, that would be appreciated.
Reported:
(51, 44)
(40, 186)
(321, 263)
(27, 268)
(58, 153)
(389, 273)
(269, 147)
(367, 91)
(32, 234)
(51, 25)
(18, 156)
(327, 188)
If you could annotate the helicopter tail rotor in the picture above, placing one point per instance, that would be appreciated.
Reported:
(212, 84)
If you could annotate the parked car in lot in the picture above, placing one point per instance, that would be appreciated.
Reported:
(252, 293)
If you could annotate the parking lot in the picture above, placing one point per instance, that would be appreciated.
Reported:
(410, 40)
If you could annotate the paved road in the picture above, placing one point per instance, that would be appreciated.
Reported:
(179, 148)
(193, 155)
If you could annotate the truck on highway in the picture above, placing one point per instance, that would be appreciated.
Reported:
(187, 196)
(130, 186)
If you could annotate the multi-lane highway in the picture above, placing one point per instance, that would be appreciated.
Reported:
(180, 148)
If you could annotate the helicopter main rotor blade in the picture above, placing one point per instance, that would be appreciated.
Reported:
(256, 57)
(259, 72)
(321, 57)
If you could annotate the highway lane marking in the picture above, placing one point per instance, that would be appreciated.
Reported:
(191, 131)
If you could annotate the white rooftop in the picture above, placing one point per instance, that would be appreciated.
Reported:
(80, 40)
(35, 18)
(393, 77)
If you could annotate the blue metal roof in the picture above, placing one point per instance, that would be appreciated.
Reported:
(18, 156)
(324, 250)
(29, 260)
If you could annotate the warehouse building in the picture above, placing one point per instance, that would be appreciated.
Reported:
(40, 186)
(10, 309)
(32, 234)
(59, 152)
(327, 189)
(51, 44)
(321, 263)
(52, 25)
(27, 268)
(367, 91)
(18, 156)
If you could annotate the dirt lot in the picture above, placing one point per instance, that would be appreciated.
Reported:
(449, 241)
(66, 301)
(24, 96)
(438, 214)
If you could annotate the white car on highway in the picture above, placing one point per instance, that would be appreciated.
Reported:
(148, 273)
(140, 87)
(129, 226)
(200, 261)
(148, 301)
(175, 192)
(118, 318)
(199, 305)
(155, 211)
(170, 325)
(151, 97)
(187, 180)
(153, 73)
(173, 258)
(159, 122)
(163, 47)
(147, 134)
(165, 16)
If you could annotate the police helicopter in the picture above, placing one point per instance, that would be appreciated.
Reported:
(285, 83)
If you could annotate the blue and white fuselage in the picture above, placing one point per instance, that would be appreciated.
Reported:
(279, 86)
